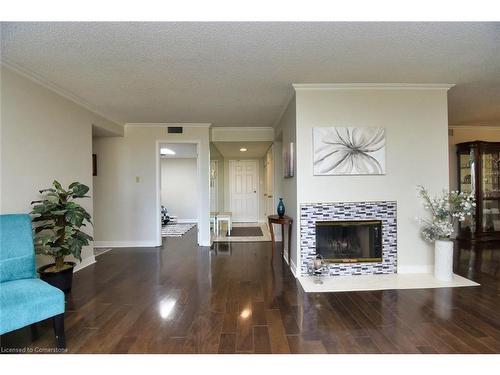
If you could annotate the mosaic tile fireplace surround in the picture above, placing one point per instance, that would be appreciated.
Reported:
(384, 211)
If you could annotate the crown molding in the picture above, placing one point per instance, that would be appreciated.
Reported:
(235, 134)
(167, 124)
(372, 86)
(477, 126)
(242, 128)
(57, 89)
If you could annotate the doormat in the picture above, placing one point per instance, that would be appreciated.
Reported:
(175, 229)
(245, 232)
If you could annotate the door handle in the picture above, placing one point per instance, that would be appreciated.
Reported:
(255, 191)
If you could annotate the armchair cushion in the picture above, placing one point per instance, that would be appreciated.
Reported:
(17, 255)
(24, 299)
(27, 301)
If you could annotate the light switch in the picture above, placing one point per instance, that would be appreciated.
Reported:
(137, 179)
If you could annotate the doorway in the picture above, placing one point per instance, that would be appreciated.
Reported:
(179, 189)
(244, 190)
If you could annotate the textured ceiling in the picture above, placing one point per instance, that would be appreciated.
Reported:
(241, 73)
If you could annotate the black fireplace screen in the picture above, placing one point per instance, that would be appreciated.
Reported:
(349, 241)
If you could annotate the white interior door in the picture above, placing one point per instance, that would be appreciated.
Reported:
(243, 188)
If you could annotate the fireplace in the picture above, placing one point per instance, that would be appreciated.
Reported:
(352, 241)
(384, 253)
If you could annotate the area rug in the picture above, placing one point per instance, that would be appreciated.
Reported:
(245, 232)
(176, 229)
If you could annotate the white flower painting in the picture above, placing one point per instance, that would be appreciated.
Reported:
(349, 151)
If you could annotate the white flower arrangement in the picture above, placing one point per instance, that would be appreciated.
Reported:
(448, 209)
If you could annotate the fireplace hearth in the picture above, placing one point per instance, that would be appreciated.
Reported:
(349, 241)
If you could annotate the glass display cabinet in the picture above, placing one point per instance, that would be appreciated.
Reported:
(479, 173)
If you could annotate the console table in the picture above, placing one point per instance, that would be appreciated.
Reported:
(283, 220)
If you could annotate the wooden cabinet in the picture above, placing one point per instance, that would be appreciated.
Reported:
(479, 173)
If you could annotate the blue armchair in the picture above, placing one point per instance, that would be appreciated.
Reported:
(25, 299)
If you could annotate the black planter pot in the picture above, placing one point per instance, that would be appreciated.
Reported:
(62, 280)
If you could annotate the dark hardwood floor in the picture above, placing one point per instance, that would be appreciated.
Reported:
(185, 299)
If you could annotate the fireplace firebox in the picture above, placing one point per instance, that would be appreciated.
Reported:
(349, 241)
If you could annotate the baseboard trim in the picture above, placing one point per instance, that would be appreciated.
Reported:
(292, 265)
(84, 263)
(293, 268)
(416, 269)
(190, 221)
(125, 244)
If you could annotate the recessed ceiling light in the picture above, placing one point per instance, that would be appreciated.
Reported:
(167, 151)
(243, 149)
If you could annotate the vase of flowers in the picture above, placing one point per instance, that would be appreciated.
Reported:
(446, 210)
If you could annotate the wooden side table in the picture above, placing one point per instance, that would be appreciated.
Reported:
(284, 220)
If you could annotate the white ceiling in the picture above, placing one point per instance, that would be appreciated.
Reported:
(231, 150)
(240, 74)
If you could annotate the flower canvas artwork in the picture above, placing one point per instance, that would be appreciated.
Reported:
(349, 151)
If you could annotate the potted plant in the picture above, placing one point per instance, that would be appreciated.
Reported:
(57, 220)
(446, 210)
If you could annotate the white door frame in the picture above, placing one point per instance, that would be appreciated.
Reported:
(158, 186)
(216, 185)
(258, 184)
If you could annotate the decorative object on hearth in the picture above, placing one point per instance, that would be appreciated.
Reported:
(348, 151)
(288, 160)
(446, 210)
(317, 267)
(281, 208)
(57, 220)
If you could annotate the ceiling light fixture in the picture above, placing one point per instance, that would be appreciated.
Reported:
(167, 151)
(243, 149)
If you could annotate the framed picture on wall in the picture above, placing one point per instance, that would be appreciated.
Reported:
(288, 160)
(94, 164)
(348, 151)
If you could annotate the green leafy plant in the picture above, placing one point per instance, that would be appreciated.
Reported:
(57, 220)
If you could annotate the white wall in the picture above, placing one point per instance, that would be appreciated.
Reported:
(44, 136)
(240, 134)
(125, 210)
(467, 134)
(277, 150)
(179, 187)
(416, 153)
(287, 130)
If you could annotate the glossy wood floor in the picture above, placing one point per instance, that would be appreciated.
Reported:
(185, 299)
